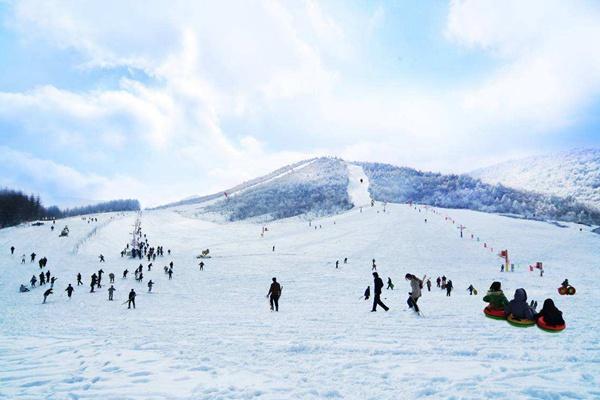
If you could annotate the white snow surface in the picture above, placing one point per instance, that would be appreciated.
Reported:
(210, 334)
(358, 191)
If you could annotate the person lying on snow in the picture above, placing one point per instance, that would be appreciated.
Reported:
(495, 296)
(519, 308)
(552, 315)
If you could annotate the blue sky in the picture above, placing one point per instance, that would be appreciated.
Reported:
(162, 100)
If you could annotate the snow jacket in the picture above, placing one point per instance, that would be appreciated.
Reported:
(378, 285)
(415, 287)
(275, 289)
(518, 306)
(551, 314)
(497, 299)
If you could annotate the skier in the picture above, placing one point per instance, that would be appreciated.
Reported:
(111, 290)
(150, 283)
(377, 286)
(33, 281)
(367, 293)
(429, 285)
(111, 278)
(390, 285)
(439, 281)
(274, 294)
(101, 257)
(449, 287)
(46, 294)
(69, 290)
(12, 250)
(470, 289)
(415, 287)
(125, 274)
(79, 279)
(201, 265)
(131, 299)
(170, 272)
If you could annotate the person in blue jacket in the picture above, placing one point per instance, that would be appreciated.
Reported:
(518, 306)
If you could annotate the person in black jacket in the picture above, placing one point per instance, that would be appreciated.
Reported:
(552, 315)
(46, 294)
(377, 285)
(79, 279)
(69, 290)
(274, 294)
(131, 299)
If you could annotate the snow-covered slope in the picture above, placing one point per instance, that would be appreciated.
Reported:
(210, 335)
(574, 173)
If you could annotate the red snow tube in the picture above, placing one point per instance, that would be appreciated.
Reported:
(493, 313)
(549, 328)
(562, 290)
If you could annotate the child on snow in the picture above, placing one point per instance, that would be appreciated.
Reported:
(552, 315)
(495, 297)
(518, 306)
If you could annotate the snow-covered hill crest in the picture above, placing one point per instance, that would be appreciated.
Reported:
(574, 173)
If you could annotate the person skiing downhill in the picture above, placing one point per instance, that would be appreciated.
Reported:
(274, 294)
(377, 286)
(69, 290)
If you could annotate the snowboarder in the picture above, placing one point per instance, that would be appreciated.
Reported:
(201, 265)
(12, 250)
(470, 289)
(46, 294)
(33, 281)
(23, 289)
(69, 290)
(367, 293)
(429, 285)
(449, 287)
(125, 274)
(377, 286)
(79, 279)
(274, 294)
(150, 283)
(111, 290)
(111, 278)
(415, 291)
(131, 299)
(390, 285)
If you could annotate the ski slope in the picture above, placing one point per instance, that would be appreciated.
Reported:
(210, 335)
(358, 186)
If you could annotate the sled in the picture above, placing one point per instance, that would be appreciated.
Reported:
(520, 323)
(569, 290)
(493, 313)
(549, 328)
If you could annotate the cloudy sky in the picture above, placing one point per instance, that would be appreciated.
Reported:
(159, 100)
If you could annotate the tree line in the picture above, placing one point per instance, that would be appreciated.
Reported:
(17, 207)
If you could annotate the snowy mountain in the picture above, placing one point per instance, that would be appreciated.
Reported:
(327, 186)
(574, 173)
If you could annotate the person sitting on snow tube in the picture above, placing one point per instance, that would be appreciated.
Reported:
(552, 315)
(519, 308)
(495, 296)
(565, 283)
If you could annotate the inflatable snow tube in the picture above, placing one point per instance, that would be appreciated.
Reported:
(562, 290)
(571, 290)
(549, 328)
(520, 323)
(493, 313)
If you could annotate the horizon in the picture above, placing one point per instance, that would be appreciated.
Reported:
(160, 102)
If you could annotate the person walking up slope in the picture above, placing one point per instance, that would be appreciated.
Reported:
(377, 286)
